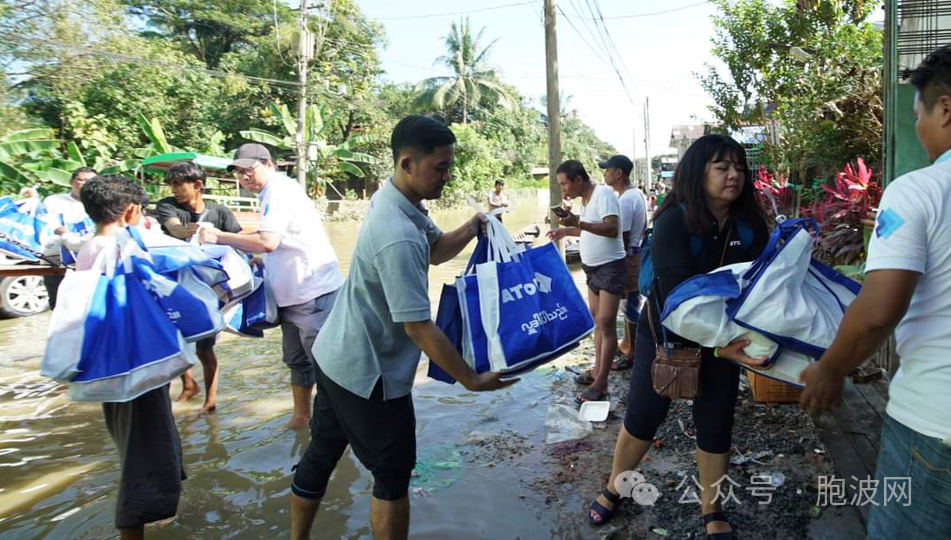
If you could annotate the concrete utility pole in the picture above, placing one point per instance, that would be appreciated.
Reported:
(647, 143)
(554, 111)
(305, 52)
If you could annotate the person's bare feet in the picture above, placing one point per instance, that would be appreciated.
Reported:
(207, 409)
(298, 422)
(189, 391)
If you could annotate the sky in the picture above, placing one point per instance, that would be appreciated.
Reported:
(657, 56)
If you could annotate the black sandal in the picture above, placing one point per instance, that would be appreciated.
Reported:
(718, 516)
(622, 362)
(604, 513)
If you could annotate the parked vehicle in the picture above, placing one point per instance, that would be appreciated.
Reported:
(21, 295)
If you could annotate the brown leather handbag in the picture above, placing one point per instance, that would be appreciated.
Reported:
(675, 372)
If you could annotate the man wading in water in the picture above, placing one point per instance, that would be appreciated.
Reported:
(370, 346)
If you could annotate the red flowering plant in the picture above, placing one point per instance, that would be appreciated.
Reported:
(840, 213)
(775, 195)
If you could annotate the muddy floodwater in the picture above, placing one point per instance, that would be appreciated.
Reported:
(59, 468)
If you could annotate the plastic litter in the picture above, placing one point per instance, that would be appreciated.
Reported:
(776, 479)
(594, 411)
(563, 424)
(659, 531)
(684, 430)
(436, 468)
(744, 459)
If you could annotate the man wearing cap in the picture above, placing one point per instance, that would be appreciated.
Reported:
(300, 264)
(617, 174)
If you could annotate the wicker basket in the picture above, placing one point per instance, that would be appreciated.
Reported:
(766, 390)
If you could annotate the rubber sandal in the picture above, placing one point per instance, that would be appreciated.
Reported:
(591, 395)
(604, 513)
(622, 363)
(584, 377)
(718, 516)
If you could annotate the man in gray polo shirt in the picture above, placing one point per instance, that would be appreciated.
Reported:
(369, 347)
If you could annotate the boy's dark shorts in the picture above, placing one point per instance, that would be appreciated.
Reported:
(382, 434)
(609, 277)
(150, 456)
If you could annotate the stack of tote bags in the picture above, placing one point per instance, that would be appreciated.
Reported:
(122, 327)
(513, 309)
(786, 303)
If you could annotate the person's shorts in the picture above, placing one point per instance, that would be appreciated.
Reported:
(150, 454)
(609, 277)
(381, 434)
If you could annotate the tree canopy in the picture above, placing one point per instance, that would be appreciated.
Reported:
(103, 77)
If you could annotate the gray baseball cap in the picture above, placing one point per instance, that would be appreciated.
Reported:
(248, 154)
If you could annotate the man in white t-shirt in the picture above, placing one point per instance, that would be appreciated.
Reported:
(63, 209)
(617, 174)
(602, 258)
(497, 199)
(299, 264)
(907, 289)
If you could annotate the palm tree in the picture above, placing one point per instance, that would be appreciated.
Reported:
(472, 79)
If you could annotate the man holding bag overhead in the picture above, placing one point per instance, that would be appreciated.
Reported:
(369, 349)
(299, 263)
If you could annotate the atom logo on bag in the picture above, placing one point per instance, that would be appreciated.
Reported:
(633, 485)
(541, 283)
(560, 313)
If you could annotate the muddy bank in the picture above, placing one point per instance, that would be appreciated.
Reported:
(774, 443)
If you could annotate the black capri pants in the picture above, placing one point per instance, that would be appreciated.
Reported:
(712, 411)
(381, 433)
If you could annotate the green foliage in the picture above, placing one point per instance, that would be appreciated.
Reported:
(210, 29)
(110, 82)
(32, 157)
(326, 160)
(475, 168)
(812, 66)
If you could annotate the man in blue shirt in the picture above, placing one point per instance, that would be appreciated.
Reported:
(369, 348)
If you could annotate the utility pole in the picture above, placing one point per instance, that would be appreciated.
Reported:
(554, 111)
(305, 51)
(634, 149)
(647, 143)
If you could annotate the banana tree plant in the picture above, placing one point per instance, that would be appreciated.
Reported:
(31, 157)
(323, 158)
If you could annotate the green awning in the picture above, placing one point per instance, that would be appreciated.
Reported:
(162, 162)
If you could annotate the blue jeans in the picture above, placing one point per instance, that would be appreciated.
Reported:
(905, 453)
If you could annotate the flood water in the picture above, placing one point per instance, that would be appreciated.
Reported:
(59, 468)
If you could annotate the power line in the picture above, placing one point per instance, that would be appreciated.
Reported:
(607, 44)
(655, 13)
(607, 33)
(503, 6)
(581, 36)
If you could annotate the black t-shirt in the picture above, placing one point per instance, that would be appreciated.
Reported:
(674, 263)
(216, 214)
